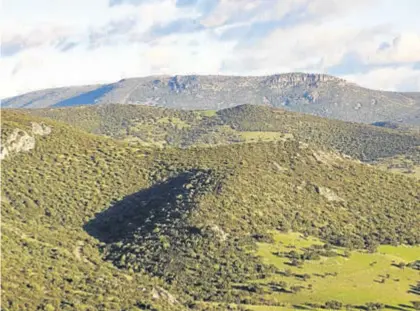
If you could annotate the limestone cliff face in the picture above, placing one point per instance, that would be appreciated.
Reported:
(22, 141)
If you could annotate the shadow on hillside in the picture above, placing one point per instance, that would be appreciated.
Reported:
(414, 289)
(142, 209)
(88, 98)
(302, 307)
(400, 307)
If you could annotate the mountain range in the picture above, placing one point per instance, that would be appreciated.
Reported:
(317, 94)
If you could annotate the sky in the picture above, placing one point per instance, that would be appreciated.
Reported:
(54, 43)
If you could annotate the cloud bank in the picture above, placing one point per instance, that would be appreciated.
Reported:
(375, 43)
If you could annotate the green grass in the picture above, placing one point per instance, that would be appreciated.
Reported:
(358, 277)
(272, 308)
(404, 253)
(208, 113)
(294, 238)
(407, 165)
(264, 136)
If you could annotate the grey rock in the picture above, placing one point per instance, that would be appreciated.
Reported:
(21, 141)
(17, 141)
(40, 129)
(317, 94)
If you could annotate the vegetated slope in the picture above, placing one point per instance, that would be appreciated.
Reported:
(201, 239)
(239, 124)
(360, 141)
(147, 125)
(317, 94)
(188, 217)
(407, 164)
(51, 185)
(397, 126)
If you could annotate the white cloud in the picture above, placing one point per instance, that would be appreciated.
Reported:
(390, 79)
(404, 48)
(60, 42)
(301, 47)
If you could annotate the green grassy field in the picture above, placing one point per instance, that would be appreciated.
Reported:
(358, 279)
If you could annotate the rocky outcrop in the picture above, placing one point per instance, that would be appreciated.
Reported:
(40, 129)
(329, 194)
(219, 232)
(159, 293)
(18, 141)
(179, 84)
(21, 141)
(294, 79)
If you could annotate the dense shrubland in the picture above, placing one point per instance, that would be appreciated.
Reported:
(90, 223)
(161, 126)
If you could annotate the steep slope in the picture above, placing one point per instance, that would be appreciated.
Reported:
(93, 224)
(317, 94)
(245, 123)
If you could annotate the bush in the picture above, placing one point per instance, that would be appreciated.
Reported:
(333, 304)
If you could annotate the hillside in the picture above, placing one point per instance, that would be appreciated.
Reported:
(91, 223)
(245, 123)
(317, 94)
(51, 185)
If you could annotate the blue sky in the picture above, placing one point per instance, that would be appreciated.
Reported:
(375, 43)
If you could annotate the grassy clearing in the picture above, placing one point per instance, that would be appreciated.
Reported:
(404, 252)
(400, 165)
(361, 278)
(174, 121)
(207, 113)
(264, 136)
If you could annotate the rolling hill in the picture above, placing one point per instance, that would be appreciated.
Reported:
(245, 123)
(317, 94)
(94, 223)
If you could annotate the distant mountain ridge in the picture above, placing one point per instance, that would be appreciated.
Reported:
(317, 94)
